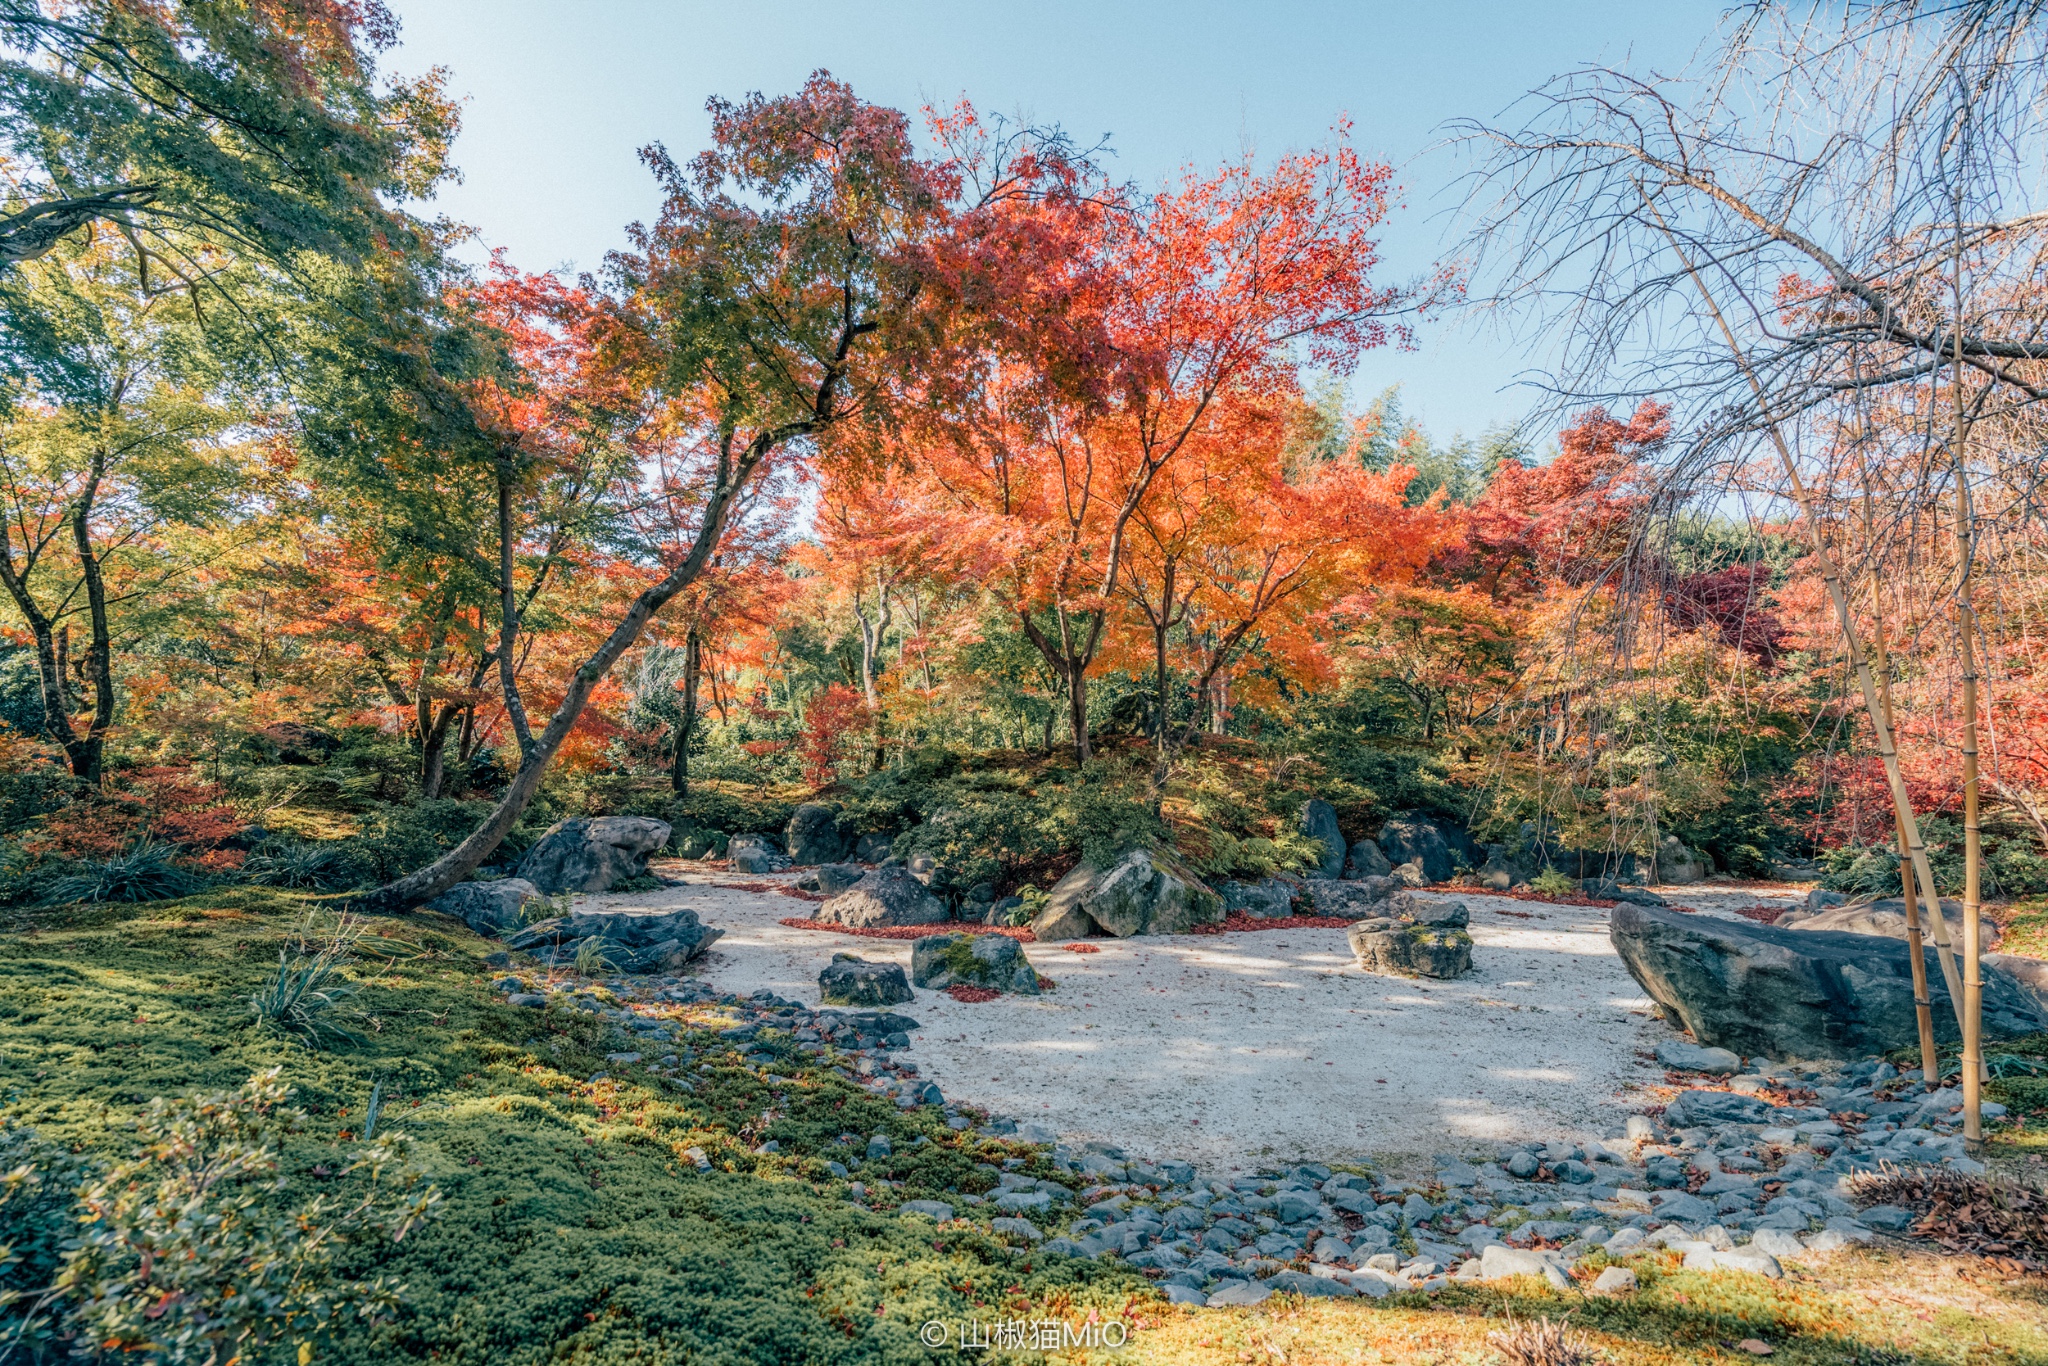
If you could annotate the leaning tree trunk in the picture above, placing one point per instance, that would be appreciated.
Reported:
(455, 865)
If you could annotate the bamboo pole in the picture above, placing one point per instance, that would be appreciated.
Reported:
(1831, 577)
(1923, 1004)
(1973, 841)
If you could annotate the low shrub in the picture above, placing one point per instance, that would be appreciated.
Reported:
(298, 865)
(299, 1001)
(404, 839)
(145, 873)
(39, 1182)
(197, 1248)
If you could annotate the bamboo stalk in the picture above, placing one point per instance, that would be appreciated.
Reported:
(1831, 577)
(1923, 1004)
(1973, 841)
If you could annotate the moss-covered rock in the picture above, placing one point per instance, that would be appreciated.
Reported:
(1408, 950)
(994, 961)
(1147, 891)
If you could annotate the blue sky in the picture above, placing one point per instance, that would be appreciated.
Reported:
(559, 98)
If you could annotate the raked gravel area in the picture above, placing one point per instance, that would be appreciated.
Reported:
(1242, 1050)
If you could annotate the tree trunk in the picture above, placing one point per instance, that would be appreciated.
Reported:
(679, 767)
(539, 751)
(1973, 837)
(1077, 710)
(99, 658)
(1923, 1003)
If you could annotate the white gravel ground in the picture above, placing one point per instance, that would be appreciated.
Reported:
(1249, 1048)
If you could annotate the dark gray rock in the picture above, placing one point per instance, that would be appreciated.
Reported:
(813, 835)
(756, 854)
(1678, 866)
(489, 908)
(1701, 1108)
(1607, 889)
(1759, 989)
(1361, 900)
(1267, 899)
(1367, 860)
(995, 961)
(631, 941)
(888, 895)
(1147, 891)
(1690, 1057)
(849, 980)
(1406, 950)
(834, 878)
(589, 854)
(1504, 868)
(1318, 821)
(872, 848)
(1437, 846)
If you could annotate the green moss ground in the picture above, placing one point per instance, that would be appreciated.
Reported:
(576, 1228)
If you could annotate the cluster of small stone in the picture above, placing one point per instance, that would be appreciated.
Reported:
(766, 1030)
(1724, 1176)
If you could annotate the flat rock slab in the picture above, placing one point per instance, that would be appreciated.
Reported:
(1758, 989)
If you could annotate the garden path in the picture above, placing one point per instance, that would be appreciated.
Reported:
(1242, 1049)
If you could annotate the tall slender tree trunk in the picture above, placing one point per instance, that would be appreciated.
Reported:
(1973, 837)
(99, 657)
(686, 729)
(1923, 1003)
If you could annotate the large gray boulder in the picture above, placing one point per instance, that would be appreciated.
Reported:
(995, 961)
(589, 854)
(1318, 821)
(1147, 891)
(489, 908)
(1414, 936)
(1366, 859)
(884, 896)
(629, 941)
(1886, 917)
(1678, 866)
(814, 836)
(1759, 989)
(849, 980)
(1360, 900)
(1437, 846)
(1267, 899)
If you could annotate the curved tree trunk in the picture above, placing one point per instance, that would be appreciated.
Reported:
(452, 867)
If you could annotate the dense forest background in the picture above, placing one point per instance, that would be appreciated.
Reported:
(910, 460)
